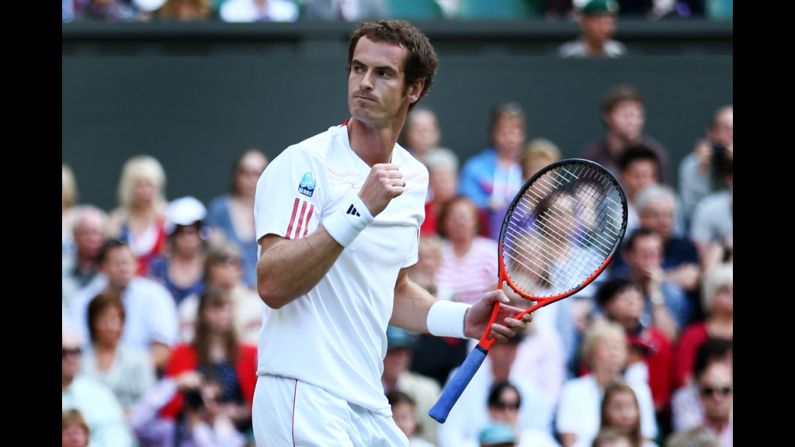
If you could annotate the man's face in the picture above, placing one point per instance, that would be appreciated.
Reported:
(627, 119)
(598, 28)
(637, 175)
(723, 130)
(120, 266)
(646, 253)
(716, 391)
(89, 234)
(658, 216)
(376, 82)
(508, 135)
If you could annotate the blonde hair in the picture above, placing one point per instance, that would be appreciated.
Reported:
(170, 9)
(599, 331)
(73, 416)
(718, 276)
(68, 186)
(540, 149)
(141, 167)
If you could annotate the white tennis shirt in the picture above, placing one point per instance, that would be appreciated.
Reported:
(334, 336)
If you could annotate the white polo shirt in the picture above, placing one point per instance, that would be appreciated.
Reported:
(334, 336)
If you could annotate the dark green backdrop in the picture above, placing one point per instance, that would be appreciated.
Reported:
(195, 95)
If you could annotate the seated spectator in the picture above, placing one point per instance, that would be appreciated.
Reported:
(597, 20)
(140, 217)
(421, 133)
(95, 402)
(686, 406)
(82, 269)
(223, 270)
(74, 430)
(442, 167)
(694, 437)
(185, 10)
(106, 11)
(202, 421)
(537, 154)
(638, 167)
(404, 412)
(620, 412)
(216, 352)
(713, 221)
(504, 403)
(68, 203)
(180, 268)
(608, 437)
(127, 372)
(231, 216)
(423, 391)
(718, 300)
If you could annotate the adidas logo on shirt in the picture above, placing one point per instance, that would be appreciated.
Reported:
(352, 211)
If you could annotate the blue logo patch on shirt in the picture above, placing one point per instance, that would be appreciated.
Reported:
(307, 185)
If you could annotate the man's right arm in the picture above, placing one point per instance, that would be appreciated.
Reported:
(290, 268)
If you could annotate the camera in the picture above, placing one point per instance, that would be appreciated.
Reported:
(193, 399)
(720, 162)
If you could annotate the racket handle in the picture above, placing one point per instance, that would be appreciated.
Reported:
(452, 391)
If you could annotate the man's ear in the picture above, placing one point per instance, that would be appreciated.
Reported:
(415, 90)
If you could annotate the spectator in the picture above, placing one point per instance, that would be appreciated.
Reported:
(713, 221)
(231, 216)
(68, 211)
(140, 216)
(493, 177)
(497, 435)
(223, 269)
(667, 307)
(537, 154)
(180, 268)
(423, 391)
(74, 430)
(718, 301)
(687, 410)
(608, 437)
(150, 312)
(404, 411)
(201, 423)
(620, 411)
(694, 437)
(699, 173)
(343, 10)
(82, 270)
(716, 391)
(95, 402)
(421, 134)
(442, 166)
(504, 403)
(216, 352)
(125, 371)
(624, 117)
(622, 302)
(638, 167)
(106, 11)
(597, 20)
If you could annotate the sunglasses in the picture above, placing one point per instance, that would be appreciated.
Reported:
(708, 391)
(65, 352)
(506, 405)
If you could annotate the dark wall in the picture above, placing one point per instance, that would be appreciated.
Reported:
(195, 96)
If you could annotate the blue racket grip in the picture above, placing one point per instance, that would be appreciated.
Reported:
(452, 391)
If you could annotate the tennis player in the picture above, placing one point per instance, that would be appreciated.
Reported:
(337, 220)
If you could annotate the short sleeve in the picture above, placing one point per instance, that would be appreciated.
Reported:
(287, 197)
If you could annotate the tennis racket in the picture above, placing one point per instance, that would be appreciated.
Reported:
(559, 233)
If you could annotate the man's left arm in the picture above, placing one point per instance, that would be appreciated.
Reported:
(412, 309)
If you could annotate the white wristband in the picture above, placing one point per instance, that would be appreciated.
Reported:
(348, 221)
(446, 319)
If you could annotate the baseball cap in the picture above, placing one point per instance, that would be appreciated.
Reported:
(184, 211)
(495, 433)
(599, 7)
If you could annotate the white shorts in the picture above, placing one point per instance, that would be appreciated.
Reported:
(288, 412)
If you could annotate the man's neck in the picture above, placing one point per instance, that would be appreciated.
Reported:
(373, 144)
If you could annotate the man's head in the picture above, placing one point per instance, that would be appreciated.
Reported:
(715, 388)
(117, 261)
(89, 231)
(638, 167)
(598, 20)
(624, 113)
(643, 250)
(508, 129)
(656, 207)
(391, 64)
(721, 129)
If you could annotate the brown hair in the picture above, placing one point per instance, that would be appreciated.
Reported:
(612, 389)
(213, 297)
(100, 303)
(421, 61)
(73, 416)
(621, 93)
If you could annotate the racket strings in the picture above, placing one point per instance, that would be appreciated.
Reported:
(562, 230)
